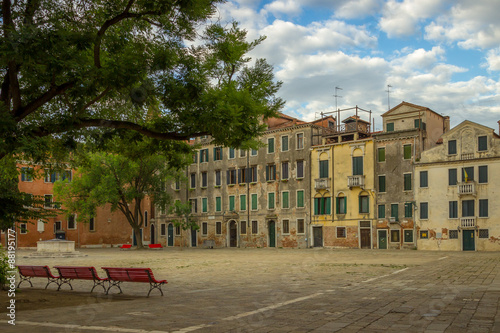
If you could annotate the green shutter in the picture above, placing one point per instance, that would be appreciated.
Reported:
(407, 152)
(394, 211)
(218, 204)
(390, 127)
(381, 183)
(328, 205)
(231, 202)
(381, 211)
(270, 200)
(204, 205)
(243, 202)
(270, 145)
(337, 205)
(316, 206)
(284, 143)
(300, 198)
(483, 173)
(285, 200)
(357, 165)
(381, 154)
(408, 209)
(254, 201)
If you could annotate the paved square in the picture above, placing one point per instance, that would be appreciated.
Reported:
(272, 290)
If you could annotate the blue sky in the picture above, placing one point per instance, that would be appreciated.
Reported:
(441, 54)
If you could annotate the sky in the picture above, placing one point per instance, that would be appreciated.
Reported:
(440, 54)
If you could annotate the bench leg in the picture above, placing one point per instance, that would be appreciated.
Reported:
(64, 281)
(153, 285)
(25, 278)
(98, 283)
(56, 281)
(114, 284)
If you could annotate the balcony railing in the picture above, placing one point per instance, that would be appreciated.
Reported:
(468, 222)
(321, 183)
(467, 188)
(356, 181)
(468, 156)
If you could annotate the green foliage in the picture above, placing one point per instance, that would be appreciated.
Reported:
(4, 267)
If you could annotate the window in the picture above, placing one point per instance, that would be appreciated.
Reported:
(300, 169)
(483, 207)
(145, 218)
(482, 143)
(253, 152)
(452, 147)
(390, 127)
(270, 172)
(218, 228)
(195, 157)
(323, 169)
(418, 123)
(40, 226)
(218, 154)
(253, 174)
(71, 222)
(453, 209)
(242, 176)
(284, 200)
(452, 177)
(381, 184)
(194, 205)
(407, 182)
(177, 230)
(231, 153)
(341, 232)
(203, 155)
(177, 184)
(322, 206)
(204, 179)
(300, 198)
(364, 204)
(48, 200)
(193, 181)
(483, 174)
(408, 209)
(91, 224)
(26, 174)
(284, 143)
(395, 236)
(270, 145)
(357, 165)
(424, 179)
(23, 228)
(204, 228)
(66, 175)
(424, 234)
(231, 202)
(408, 236)
(381, 211)
(284, 170)
(395, 211)
(286, 226)
(218, 179)
(243, 153)
(300, 140)
(407, 152)
(424, 210)
(204, 205)
(270, 200)
(243, 202)
(253, 198)
(218, 204)
(231, 177)
(453, 234)
(163, 229)
(341, 205)
(467, 174)
(243, 227)
(255, 227)
(301, 226)
(381, 154)
(484, 233)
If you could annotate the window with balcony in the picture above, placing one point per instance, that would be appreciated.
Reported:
(323, 169)
(467, 208)
(467, 174)
(195, 157)
(357, 166)
(452, 147)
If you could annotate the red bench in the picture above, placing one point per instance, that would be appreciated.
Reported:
(117, 275)
(155, 246)
(68, 273)
(26, 272)
(125, 246)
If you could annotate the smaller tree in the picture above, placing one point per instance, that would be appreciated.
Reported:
(184, 220)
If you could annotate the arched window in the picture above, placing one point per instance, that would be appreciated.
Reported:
(322, 204)
(341, 204)
(145, 218)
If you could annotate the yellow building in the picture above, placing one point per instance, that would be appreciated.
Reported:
(343, 197)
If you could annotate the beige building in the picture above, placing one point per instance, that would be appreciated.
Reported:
(456, 189)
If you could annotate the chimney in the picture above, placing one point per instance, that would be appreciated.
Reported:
(446, 124)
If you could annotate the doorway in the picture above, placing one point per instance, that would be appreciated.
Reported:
(382, 239)
(170, 235)
(468, 240)
(317, 236)
(193, 237)
(365, 237)
(233, 234)
(272, 234)
(153, 234)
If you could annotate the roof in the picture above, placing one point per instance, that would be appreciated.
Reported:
(419, 107)
(354, 118)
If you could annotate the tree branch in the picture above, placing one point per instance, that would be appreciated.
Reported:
(96, 99)
(13, 83)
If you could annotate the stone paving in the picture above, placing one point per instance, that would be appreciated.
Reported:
(289, 291)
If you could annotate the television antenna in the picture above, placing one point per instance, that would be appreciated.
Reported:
(336, 96)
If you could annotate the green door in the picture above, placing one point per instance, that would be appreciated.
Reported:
(170, 234)
(382, 239)
(468, 240)
(272, 234)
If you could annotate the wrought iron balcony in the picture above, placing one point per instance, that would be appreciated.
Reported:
(468, 222)
(321, 183)
(467, 188)
(356, 181)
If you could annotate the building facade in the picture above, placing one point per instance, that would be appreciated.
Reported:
(456, 192)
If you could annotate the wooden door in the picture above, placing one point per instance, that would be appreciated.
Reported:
(468, 240)
(193, 237)
(317, 236)
(365, 238)
(272, 234)
(382, 239)
(233, 234)
(170, 235)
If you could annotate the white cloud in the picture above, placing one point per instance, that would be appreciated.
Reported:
(287, 7)
(493, 59)
(358, 8)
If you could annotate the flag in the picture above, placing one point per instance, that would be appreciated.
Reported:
(466, 176)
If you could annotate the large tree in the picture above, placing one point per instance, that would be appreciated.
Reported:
(156, 67)
(129, 169)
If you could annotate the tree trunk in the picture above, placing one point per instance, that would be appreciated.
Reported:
(138, 238)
